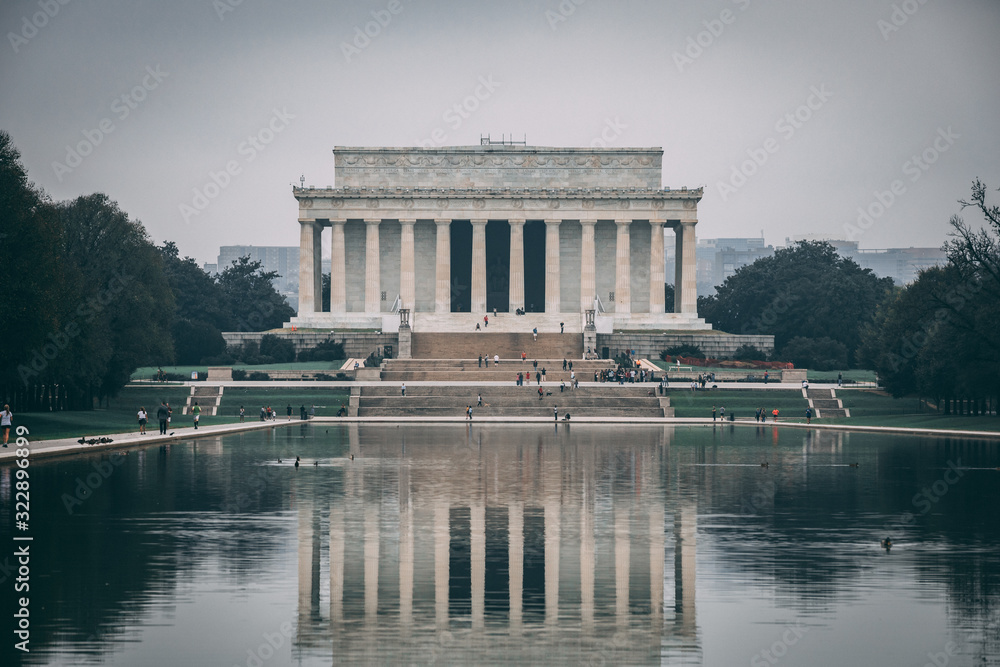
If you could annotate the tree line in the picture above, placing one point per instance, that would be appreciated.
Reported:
(88, 297)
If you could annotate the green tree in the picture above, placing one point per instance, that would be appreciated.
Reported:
(806, 291)
(252, 300)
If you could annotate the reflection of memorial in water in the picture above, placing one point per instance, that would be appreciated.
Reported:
(453, 545)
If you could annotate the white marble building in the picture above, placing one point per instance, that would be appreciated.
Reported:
(450, 234)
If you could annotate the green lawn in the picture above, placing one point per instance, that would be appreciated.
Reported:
(742, 403)
(149, 372)
(119, 416)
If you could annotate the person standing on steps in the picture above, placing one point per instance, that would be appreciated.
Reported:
(524, 356)
(468, 412)
(534, 364)
(555, 412)
(402, 389)
(534, 333)
(486, 321)
(562, 327)
(480, 361)
(479, 402)
(543, 374)
(564, 364)
(496, 360)
(538, 379)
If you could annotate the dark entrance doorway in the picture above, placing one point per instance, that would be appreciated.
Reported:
(461, 266)
(534, 266)
(498, 266)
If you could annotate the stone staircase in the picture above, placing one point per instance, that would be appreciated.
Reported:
(471, 344)
(825, 403)
(607, 400)
(469, 370)
(209, 398)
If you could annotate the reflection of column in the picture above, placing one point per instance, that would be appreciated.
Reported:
(373, 281)
(442, 272)
(516, 265)
(478, 266)
(588, 267)
(477, 544)
(407, 267)
(371, 562)
(587, 549)
(336, 565)
(656, 268)
(305, 563)
(552, 537)
(442, 538)
(338, 269)
(405, 551)
(310, 267)
(552, 301)
(353, 440)
(623, 553)
(685, 276)
(685, 551)
(656, 556)
(623, 269)
(515, 560)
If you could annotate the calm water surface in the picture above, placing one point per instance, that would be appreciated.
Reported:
(490, 544)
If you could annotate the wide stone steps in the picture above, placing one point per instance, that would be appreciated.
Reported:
(609, 390)
(561, 399)
(521, 411)
(826, 404)
(508, 345)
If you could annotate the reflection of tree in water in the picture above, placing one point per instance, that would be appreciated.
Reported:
(814, 535)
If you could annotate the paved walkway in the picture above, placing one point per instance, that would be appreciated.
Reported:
(66, 446)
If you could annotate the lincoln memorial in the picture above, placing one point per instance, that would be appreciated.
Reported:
(438, 238)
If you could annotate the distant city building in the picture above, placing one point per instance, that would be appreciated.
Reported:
(282, 259)
(717, 259)
(901, 264)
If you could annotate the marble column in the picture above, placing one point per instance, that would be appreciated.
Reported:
(477, 547)
(373, 281)
(310, 267)
(552, 300)
(657, 270)
(516, 299)
(478, 266)
(623, 270)
(338, 268)
(685, 275)
(407, 266)
(588, 267)
(515, 560)
(442, 272)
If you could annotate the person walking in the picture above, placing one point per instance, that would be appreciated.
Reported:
(540, 394)
(243, 414)
(538, 379)
(161, 416)
(486, 321)
(496, 360)
(555, 412)
(722, 413)
(840, 379)
(756, 416)
(142, 420)
(288, 412)
(402, 389)
(571, 365)
(765, 377)
(774, 414)
(468, 413)
(809, 415)
(6, 420)
(564, 364)
(562, 327)
(713, 413)
(479, 400)
(170, 414)
(196, 414)
(534, 333)
(562, 386)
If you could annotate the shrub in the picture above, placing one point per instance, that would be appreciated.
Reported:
(682, 351)
(281, 350)
(373, 360)
(749, 353)
(258, 376)
(821, 354)
(239, 374)
(328, 350)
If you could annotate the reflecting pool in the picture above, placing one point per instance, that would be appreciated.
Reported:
(490, 544)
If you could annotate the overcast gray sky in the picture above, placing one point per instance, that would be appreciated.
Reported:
(869, 84)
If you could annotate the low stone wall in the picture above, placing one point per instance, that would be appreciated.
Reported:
(717, 345)
(356, 345)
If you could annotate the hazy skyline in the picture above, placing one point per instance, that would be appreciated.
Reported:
(792, 116)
